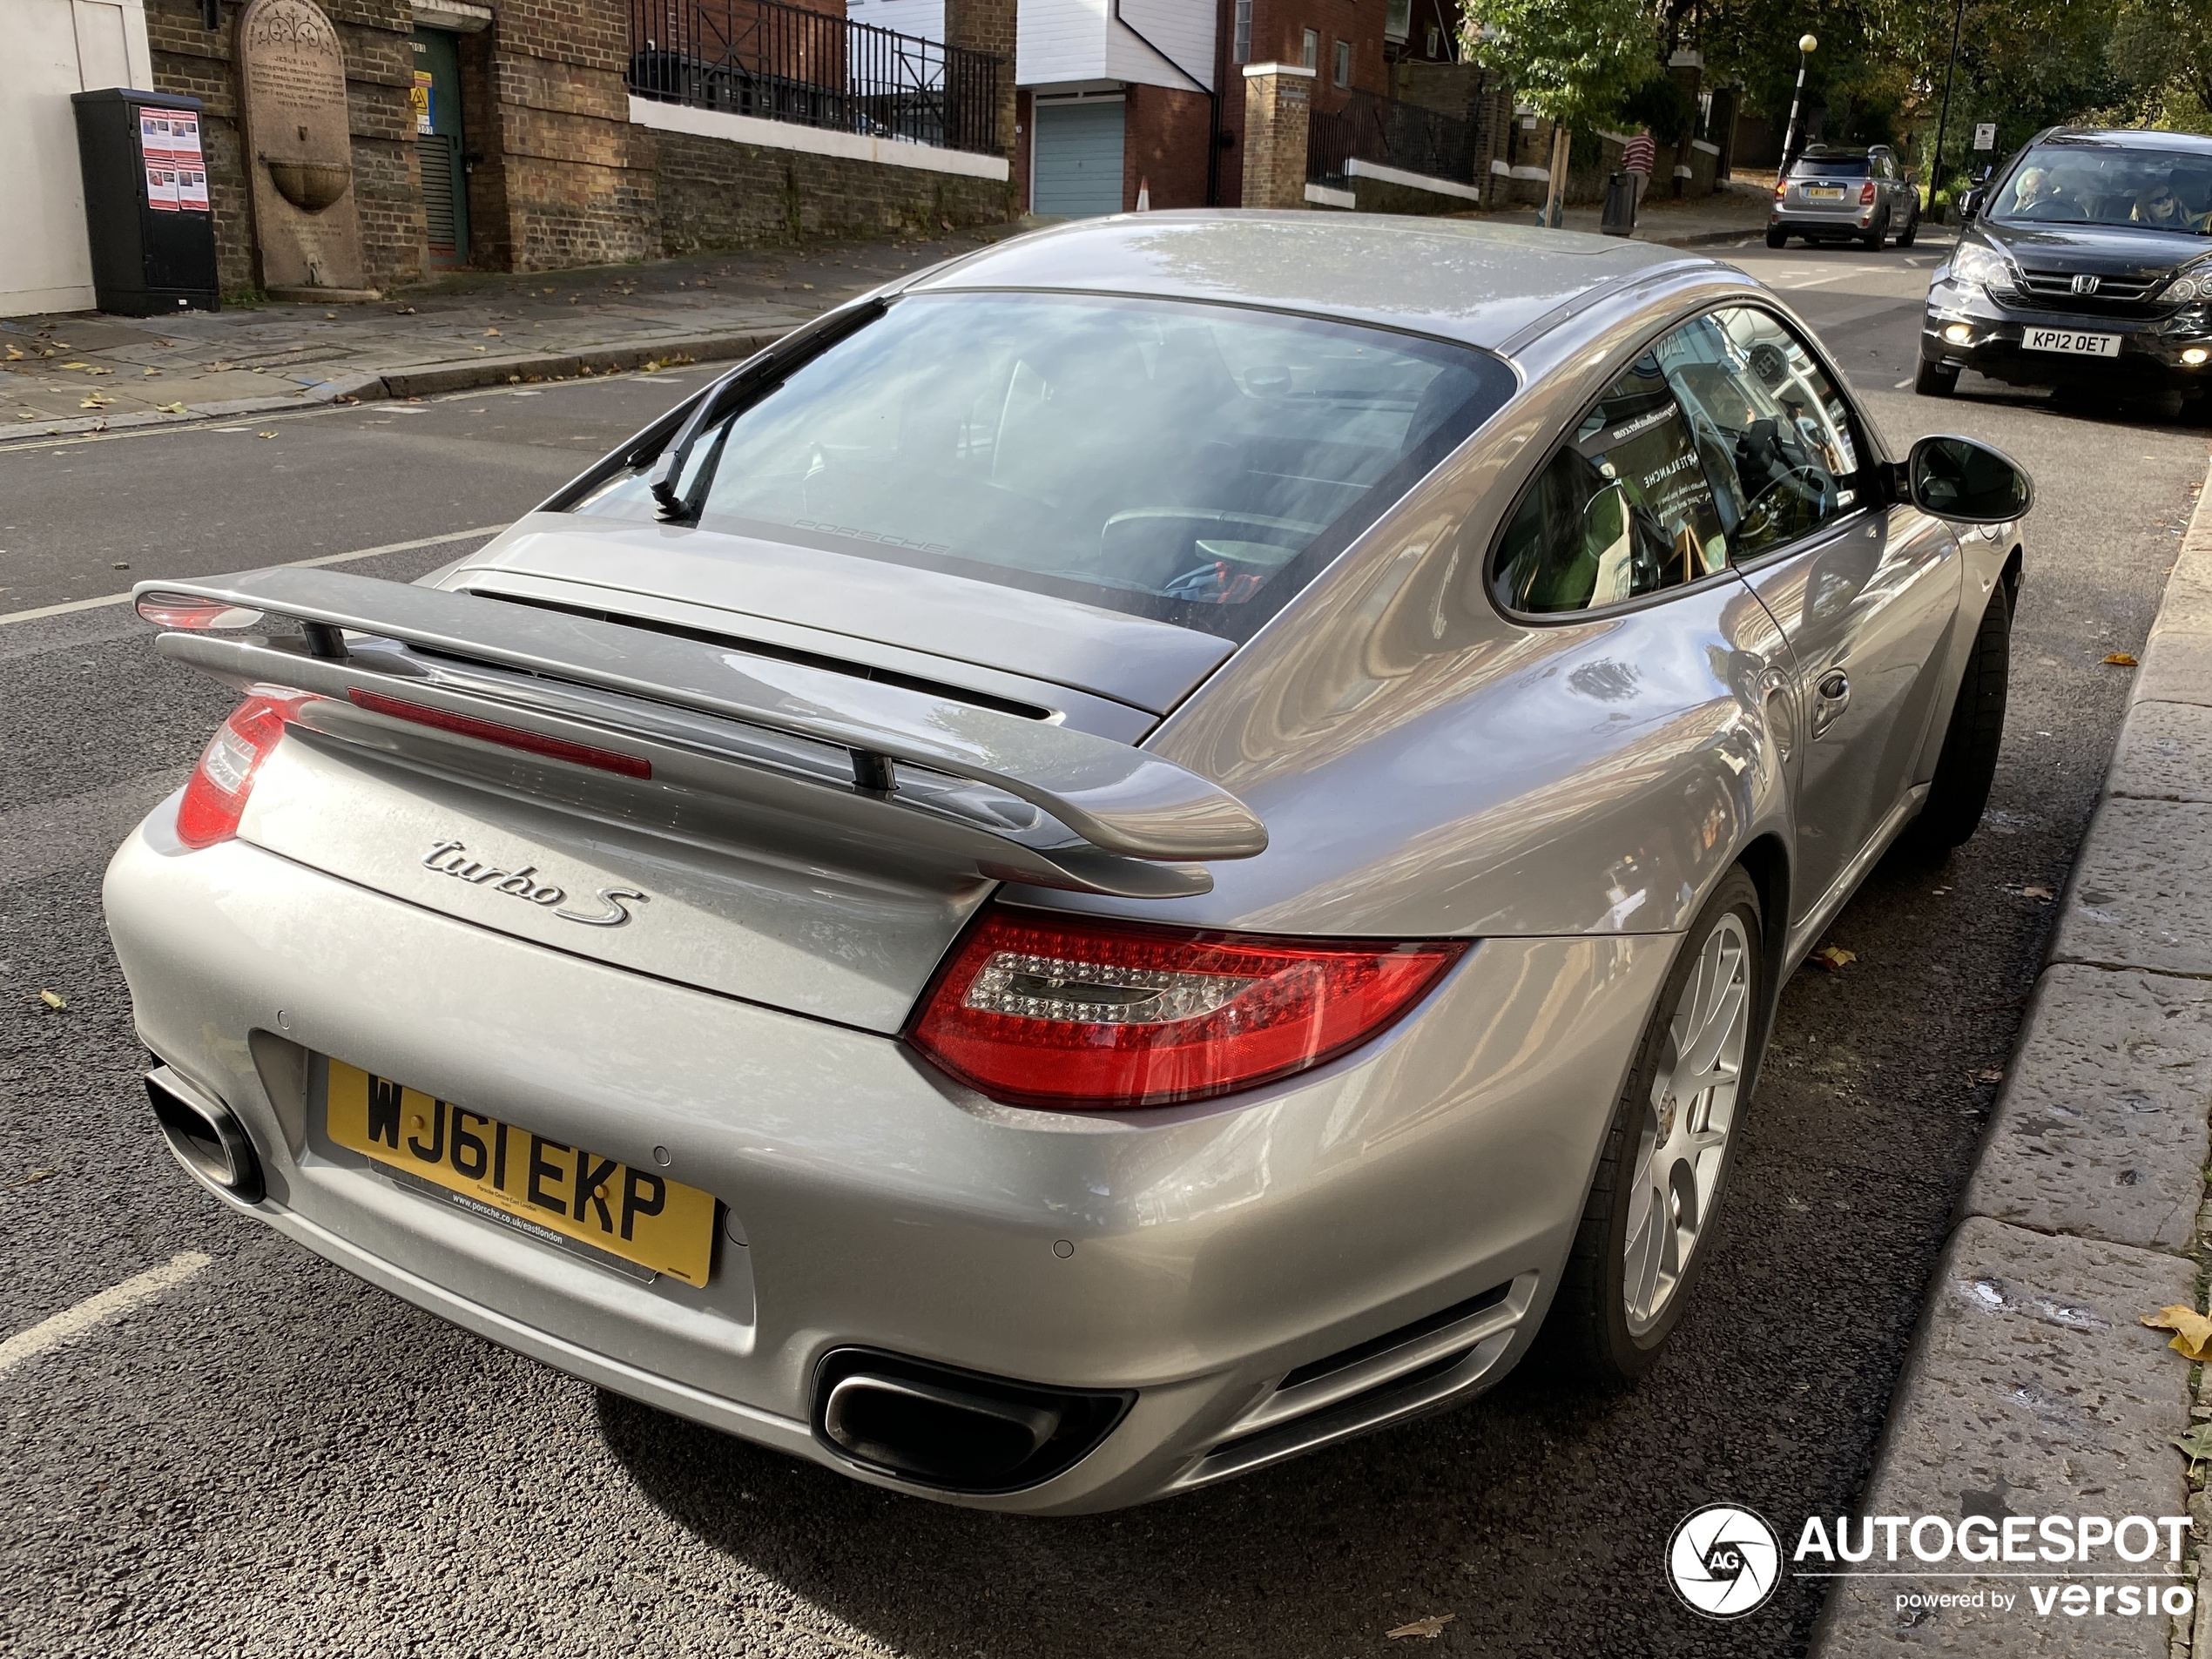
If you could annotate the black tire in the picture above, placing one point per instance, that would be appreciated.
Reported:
(1933, 379)
(1776, 237)
(1960, 787)
(1586, 1335)
(1873, 240)
(1911, 228)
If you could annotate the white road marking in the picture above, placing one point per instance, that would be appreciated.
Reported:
(1900, 386)
(97, 1310)
(289, 564)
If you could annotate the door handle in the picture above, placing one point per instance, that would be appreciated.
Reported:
(1832, 697)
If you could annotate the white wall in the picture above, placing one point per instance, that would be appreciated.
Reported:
(48, 50)
(1061, 42)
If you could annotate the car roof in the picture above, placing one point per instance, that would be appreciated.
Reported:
(1478, 283)
(2126, 138)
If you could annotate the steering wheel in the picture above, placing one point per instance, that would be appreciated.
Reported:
(1764, 507)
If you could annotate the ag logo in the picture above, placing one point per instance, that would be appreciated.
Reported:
(1723, 1561)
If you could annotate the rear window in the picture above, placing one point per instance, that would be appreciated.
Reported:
(1829, 167)
(1194, 463)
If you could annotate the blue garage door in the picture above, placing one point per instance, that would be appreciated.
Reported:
(1078, 170)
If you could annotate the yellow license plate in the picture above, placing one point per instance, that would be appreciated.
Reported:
(641, 1217)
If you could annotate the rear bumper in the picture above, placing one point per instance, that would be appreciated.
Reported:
(1208, 1250)
(1798, 222)
(2149, 358)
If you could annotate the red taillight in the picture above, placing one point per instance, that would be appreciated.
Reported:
(1866, 194)
(512, 737)
(215, 798)
(1065, 1011)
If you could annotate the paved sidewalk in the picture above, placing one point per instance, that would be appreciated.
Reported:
(2032, 1388)
(82, 372)
(1737, 210)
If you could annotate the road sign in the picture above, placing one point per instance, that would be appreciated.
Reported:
(1985, 135)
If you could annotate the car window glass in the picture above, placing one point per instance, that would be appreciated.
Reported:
(1772, 428)
(2106, 183)
(1194, 463)
(1624, 509)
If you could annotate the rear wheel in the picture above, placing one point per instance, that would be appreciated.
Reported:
(1911, 228)
(1933, 380)
(1964, 770)
(1648, 1223)
(1776, 237)
(1875, 238)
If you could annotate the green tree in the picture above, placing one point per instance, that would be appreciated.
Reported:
(1571, 61)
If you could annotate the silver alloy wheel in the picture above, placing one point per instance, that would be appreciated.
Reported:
(1683, 1146)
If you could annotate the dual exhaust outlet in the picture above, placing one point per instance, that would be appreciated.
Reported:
(205, 1136)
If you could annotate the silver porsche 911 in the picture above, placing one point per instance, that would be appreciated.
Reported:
(1131, 856)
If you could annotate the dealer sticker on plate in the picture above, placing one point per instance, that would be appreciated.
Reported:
(633, 1214)
(2067, 340)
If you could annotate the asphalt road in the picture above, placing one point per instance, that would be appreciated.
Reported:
(268, 1458)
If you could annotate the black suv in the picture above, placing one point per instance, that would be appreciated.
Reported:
(2086, 260)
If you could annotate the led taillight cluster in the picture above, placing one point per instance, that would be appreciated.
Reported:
(1866, 194)
(215, 798)
(1065, 1011)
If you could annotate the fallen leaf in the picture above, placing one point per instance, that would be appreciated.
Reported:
(33, 1177)
(169, 408)
(152, 373)
(2192, 1331)
(2196, 1445)
(1834, 957)
(330, 316)
(52, 999)
(77, 365)
(96, 401)
(265, 434)
(1987, 1074)
(2044, 893)
(1431, 1627)
(491, 331)
(2122, 659)
(99, 371)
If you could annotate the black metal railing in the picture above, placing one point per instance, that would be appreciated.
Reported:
(1384, 131)
(785, 63)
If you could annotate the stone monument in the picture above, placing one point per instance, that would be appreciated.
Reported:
(291, 92)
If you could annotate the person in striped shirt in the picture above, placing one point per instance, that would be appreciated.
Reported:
(1638, 156)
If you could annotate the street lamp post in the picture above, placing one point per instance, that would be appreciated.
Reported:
(1806, 45)
(1935, 162)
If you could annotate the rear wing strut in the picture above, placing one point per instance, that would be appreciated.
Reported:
(1012, 799)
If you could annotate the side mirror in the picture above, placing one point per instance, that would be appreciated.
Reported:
(1970, 203)
(1966, 483)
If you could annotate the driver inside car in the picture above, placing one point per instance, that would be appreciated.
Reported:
(2036, 194)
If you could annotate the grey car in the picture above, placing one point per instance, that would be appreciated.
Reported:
(1834, 194)
(1145, 851)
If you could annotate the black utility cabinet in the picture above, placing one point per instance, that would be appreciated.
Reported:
(146, 201)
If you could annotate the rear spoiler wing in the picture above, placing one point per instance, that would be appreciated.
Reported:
(1011, 799)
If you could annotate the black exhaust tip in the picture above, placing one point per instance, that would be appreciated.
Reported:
(206, 1136)
(959, 1431)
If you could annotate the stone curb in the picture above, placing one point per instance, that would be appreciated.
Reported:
(428, 379)
(2030, 1389)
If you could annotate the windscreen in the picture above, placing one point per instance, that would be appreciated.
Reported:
(1194, 463)
(2148, 189)
(1828, 167)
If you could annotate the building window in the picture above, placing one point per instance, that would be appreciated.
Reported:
(1241, 49)
(1309, 51)
(1435, 43)
(1398, 18)
(1343, 62)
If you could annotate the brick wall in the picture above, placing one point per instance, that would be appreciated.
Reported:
(1166, 133)
(1276, 106)
(711, 193)
(989, 26)
(373, 35)
(577, 184)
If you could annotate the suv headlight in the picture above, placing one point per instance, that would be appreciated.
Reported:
(1975, 264)
(2194, 283)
